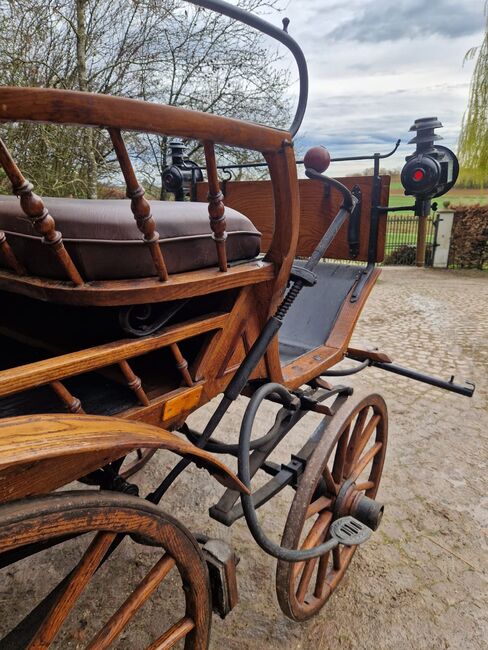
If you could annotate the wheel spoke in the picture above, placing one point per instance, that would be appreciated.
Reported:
(317, 506)
(321, 583)
(332, 487)
(340, 456)
(79, 578)
(356, 432)
(366, 485)
(305, 579)
(173, 635)
(134, 602)
(315, 536)
(364, 439)
(367, 458)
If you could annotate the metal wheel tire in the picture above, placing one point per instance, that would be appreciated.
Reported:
(32, 524)
(351, 450)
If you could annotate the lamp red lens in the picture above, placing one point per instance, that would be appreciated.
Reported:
(418, 175)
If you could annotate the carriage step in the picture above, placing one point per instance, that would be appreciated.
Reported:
(221, 562)
(349, 531)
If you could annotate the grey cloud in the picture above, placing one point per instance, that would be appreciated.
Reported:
(388, 20)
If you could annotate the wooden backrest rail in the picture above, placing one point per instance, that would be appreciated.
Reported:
(35, 374)
(118, 113)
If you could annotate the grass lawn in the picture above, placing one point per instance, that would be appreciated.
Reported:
(457, 196)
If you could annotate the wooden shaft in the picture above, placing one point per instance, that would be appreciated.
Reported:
(79, 579)
(421, 240)
(132, 604)
(139, 205)
(41, 220)
(181, 364)
(70, 401)
(134, 382)
(216, 207)
(9, 256)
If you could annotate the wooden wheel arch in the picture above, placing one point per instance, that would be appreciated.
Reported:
(40, 453)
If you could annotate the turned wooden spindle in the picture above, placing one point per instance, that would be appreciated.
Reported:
(38, 214)
(181, 364)
(9, 256)
(71, 402)
(134, 383)
(216, 207)
(139, 205)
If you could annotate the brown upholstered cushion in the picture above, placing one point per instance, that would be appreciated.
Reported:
(105, 243)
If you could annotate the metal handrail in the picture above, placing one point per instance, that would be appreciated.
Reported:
(280, 35)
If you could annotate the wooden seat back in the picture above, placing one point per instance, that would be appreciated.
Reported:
(318, 206)
(65, 107)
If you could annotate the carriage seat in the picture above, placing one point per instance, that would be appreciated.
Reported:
(103, 239)
(314, 313)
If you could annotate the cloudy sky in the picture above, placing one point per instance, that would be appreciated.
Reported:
(376, 65)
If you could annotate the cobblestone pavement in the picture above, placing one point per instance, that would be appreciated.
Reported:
(421, 581)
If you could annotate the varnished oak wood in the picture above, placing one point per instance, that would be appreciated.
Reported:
(42, 222)
(132, 604)
(77, 583)
(41, 453)
(362, 354)
(72, 403)
(90, 109)
(139, 205)
(9, 256)
(173, 635)
(216, 207)
(75, 363)
(67, 514)
(318, 206)
(137, 292)
(134, 382)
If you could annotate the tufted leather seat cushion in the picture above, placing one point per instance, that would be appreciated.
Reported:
(105, 243)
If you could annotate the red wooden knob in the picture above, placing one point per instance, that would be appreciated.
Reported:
(317, 158)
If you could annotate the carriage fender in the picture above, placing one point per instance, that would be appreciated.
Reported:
(40, 453)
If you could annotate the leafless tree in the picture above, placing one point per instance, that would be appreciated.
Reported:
(164, 51)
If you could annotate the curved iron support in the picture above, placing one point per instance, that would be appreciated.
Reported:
(280, 35)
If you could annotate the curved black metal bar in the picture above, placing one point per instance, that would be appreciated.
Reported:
(280, 35)
(379, 156)
(346, 371)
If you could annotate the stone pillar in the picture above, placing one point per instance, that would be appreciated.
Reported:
(441, 254)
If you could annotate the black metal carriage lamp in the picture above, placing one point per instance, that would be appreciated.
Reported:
(432, 169)
(180, 177)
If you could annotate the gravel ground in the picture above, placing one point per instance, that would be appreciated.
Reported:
(421, 581)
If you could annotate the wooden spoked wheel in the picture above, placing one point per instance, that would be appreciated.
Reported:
(28, 526)
(346, 464)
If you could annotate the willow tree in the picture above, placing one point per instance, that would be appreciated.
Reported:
(473, 141)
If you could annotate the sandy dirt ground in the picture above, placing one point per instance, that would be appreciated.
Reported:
(421, 581)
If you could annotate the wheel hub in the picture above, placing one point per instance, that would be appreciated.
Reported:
(351, 502)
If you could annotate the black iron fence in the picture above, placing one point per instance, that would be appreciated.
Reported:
(401, 240)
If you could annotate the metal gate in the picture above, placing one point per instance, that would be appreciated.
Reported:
(401, 239)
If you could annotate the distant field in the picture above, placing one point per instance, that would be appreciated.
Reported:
(456, 196)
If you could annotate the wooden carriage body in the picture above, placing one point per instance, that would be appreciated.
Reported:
(58, 327)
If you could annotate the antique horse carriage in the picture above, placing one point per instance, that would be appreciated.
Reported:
(119, 320)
